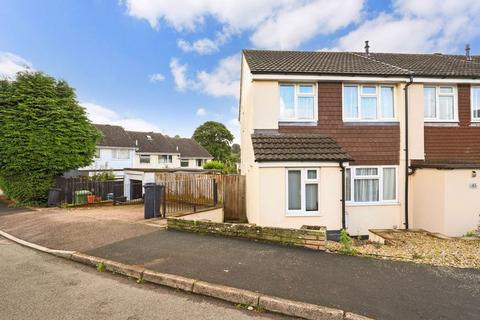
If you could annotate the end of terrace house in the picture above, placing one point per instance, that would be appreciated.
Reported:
(361, 140)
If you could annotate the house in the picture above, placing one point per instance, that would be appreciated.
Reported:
(115, 151)
(156, 151)
(361, 140)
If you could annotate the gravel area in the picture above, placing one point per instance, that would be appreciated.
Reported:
(420, 247)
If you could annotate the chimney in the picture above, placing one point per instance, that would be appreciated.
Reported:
(467, 52)
(367, 49)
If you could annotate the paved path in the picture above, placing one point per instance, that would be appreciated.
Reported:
(38, 286)
(375, 288)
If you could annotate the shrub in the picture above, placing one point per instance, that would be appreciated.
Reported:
(214, 164)
(44, 132)
(104, 176)
(346, 242)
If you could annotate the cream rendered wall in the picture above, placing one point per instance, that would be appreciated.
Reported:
(272, 208)
(416, 144)
(265, 102)
(445, 201)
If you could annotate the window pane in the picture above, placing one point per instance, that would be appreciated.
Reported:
(294, 190)
(366, 190)
(144, 159)
(366, 171)
(369, 90)
(445, 108)
(476, 103)
(184, 163)
(350, 102)
(312, 174)
(311, 197)
(446, 90)
(429, 102)
(305, 108)
(287, 96)
(306, 88)
(389, 184)
(369, 108)
(348, 184)
(387, 102)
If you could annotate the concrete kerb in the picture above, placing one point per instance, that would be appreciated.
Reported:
(230, 294)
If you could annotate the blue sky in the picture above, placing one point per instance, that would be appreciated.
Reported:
(171, 65)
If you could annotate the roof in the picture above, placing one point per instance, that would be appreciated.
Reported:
(152, 142)
(355, 63)
(155, 142)
(190, 148)
(114, 136)
(296, 147)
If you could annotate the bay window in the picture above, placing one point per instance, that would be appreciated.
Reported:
(475, 103)
(368, 102)
(302, 191)
(370, 184)
(439, 103)
(297, 102)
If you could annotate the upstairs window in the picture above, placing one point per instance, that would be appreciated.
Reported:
(475, 103)
(144, 158)
(120, 154)
(297, 102)
(184, 163)
(165, 158)
(368, 102)
(439, 103)
(97, 153)
(199, 162)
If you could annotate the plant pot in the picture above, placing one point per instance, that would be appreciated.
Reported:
(98, 199)
(91, 198)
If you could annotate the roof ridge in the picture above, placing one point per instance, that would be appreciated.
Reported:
(382, 62)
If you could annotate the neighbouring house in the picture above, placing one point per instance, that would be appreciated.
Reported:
(361, 140)
(156, 151)
(115, 151)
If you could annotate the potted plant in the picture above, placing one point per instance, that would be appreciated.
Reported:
(91, 198)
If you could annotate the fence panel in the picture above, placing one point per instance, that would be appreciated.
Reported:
(234, 206)
(184, 196)
(83, 190)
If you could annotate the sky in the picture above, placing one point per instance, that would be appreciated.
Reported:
(170, 65)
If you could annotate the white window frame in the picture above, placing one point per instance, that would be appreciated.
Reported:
(437, 103)
(473, 118)
(169, 159)
(115, 154)
(184, 160)
(144, 155)
(296, 89)
(353, 176)
(378, 95)
(202, 161)
(303, 182)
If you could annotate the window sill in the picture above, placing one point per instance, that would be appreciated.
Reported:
(441, 123)
(303, 214)
(369, 204)
(371, 123)
(297, 122)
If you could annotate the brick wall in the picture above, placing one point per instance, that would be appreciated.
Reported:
(458, 144)
(308, 237)
(366, 143)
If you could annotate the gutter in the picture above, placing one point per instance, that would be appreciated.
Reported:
(407, 169)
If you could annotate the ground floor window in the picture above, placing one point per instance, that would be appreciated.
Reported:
(371, 184)
(302, 190)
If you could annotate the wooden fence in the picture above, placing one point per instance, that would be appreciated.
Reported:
(74, 190)
(234, 206)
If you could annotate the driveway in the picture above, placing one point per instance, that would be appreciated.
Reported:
(4, 210)
(375, 288)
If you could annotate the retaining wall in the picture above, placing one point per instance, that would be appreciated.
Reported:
(312, 237)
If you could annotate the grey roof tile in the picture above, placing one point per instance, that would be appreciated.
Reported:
(114, 136)
(296, 147)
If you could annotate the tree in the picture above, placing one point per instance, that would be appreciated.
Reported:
(236, 148)
(43, 133)
(214, 137)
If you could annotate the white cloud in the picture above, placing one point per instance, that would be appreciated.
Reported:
(290, 28)
(156, 77)
(103, 115)
(201, 112)
(222, 81)
(179, 72)
(274, 23)
(418, 26)
(201, 46)
(11, 64)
